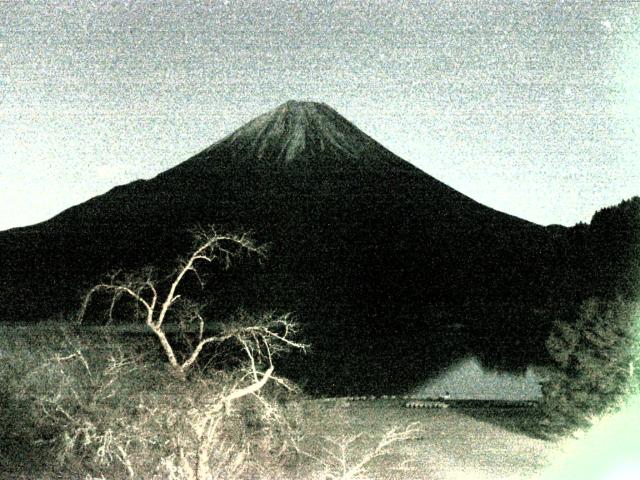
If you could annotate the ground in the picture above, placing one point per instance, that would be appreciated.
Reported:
(454, 443)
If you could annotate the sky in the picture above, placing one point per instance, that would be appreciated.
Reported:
(530, 107)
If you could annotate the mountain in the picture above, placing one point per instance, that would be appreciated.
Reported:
(392, 273)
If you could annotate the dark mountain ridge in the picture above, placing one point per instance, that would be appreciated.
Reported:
(376, 258)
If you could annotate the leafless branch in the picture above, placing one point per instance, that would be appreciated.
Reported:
(261, 337)
(337, 461)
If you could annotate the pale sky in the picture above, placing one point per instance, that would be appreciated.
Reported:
(531, 107)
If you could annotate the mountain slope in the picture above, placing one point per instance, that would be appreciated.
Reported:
(377, 258)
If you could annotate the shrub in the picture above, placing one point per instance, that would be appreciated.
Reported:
(341, 459)
(592, 365)
(101, 407)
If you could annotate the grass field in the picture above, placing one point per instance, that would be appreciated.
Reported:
(97, 406)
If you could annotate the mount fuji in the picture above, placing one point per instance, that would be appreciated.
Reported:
(392, 273)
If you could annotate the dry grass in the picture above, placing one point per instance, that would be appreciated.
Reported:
(450, 444)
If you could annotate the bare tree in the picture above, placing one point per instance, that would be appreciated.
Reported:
(260, 337)
(339, 461)
(211, 457)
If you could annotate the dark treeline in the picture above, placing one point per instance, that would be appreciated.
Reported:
(602, 258)
(592, 345)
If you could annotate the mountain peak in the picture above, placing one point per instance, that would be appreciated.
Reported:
(297, 106)
(297, 129)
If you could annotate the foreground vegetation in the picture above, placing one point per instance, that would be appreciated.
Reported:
(83, 405)
(100, 406)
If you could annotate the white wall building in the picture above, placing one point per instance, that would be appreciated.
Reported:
(467, 379)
